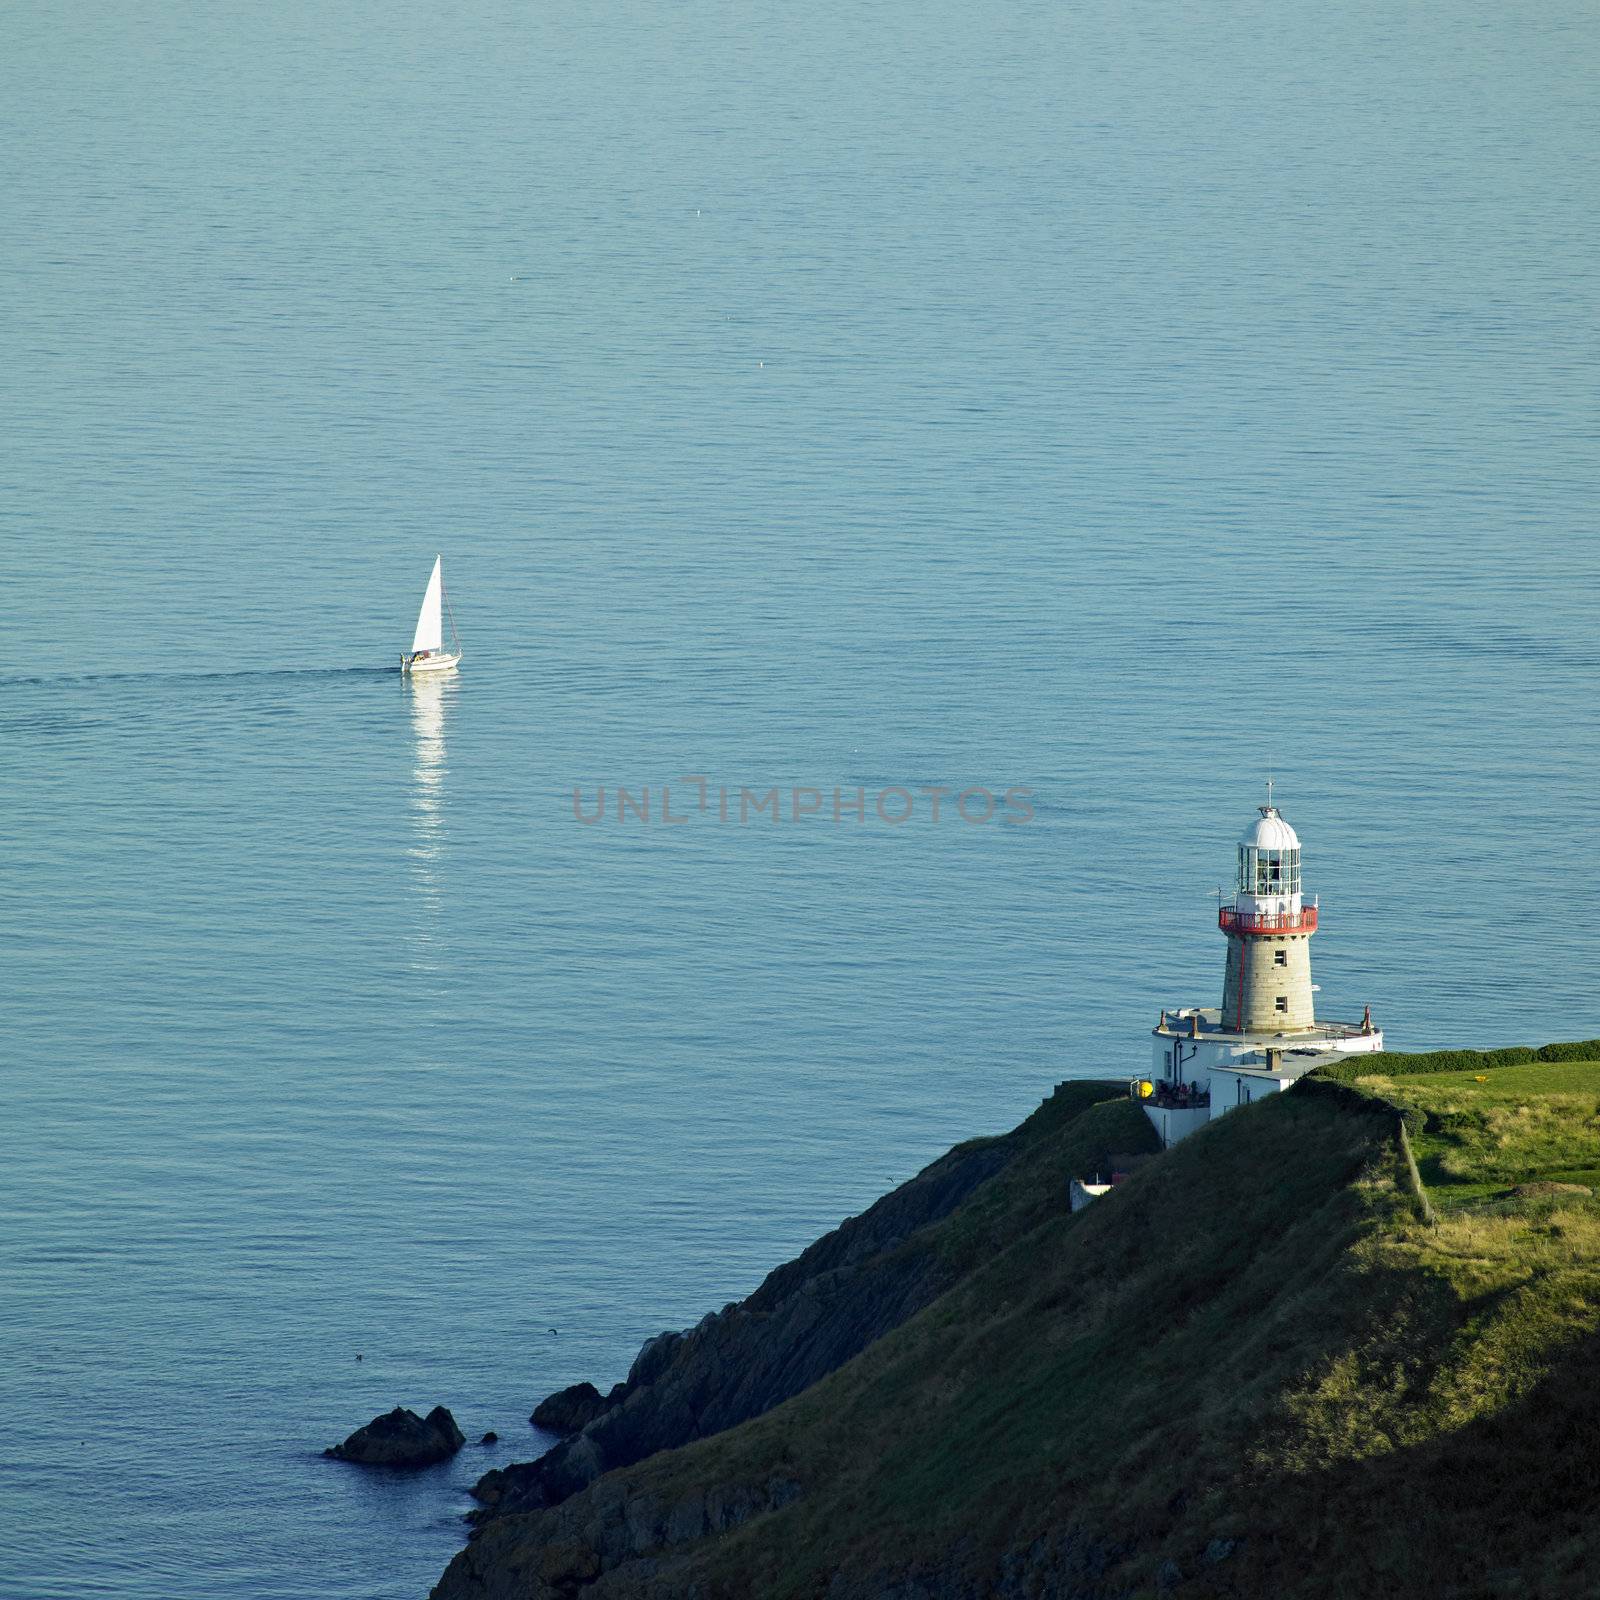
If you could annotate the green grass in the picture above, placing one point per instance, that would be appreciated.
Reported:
(1487, 1134)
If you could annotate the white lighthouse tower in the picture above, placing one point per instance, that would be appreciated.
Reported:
(1265, 1034)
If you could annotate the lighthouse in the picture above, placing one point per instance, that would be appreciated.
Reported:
(1265, 1035)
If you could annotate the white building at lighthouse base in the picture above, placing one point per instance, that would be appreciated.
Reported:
(1201, 1070)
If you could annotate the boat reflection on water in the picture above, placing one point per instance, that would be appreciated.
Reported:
(430, 697)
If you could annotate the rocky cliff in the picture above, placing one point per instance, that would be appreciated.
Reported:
(814, 1313)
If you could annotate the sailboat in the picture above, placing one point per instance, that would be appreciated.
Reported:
(427, 644)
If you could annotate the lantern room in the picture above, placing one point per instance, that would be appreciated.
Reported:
(1269, 865)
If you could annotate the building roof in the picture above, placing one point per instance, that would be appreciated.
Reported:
(1270, 832)
(1209, 1026)
(1289, 1063)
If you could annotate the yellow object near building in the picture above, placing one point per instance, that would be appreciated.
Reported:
(1146, 1088)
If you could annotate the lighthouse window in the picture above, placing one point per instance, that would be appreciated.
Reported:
(1269, 871)
(1281, 1003)
(1280, 958)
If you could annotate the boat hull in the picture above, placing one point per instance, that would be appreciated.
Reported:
(431, 664)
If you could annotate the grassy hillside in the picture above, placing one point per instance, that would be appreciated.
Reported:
(1251, 1371)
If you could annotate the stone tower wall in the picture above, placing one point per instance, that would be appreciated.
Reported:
(1264, 981)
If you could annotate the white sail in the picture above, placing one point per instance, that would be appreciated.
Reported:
(430, 623)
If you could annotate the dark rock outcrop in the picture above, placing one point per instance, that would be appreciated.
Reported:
(569, 1411)
(400, 1438)
(491, 1437)
(586, 1539)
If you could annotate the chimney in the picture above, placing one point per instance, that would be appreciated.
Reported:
(1194, 1024)
(1366, 1019)
(1274, 1059)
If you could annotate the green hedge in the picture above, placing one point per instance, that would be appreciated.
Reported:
(1580, 1050)
(1400, 1063)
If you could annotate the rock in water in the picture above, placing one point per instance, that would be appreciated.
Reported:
(401, 1438)
(569, 1411)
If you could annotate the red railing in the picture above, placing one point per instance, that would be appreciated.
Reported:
(1231, 920)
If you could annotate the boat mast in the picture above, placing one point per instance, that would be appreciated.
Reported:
(455, 638)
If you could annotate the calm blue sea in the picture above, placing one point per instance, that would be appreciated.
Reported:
(1124, 402)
